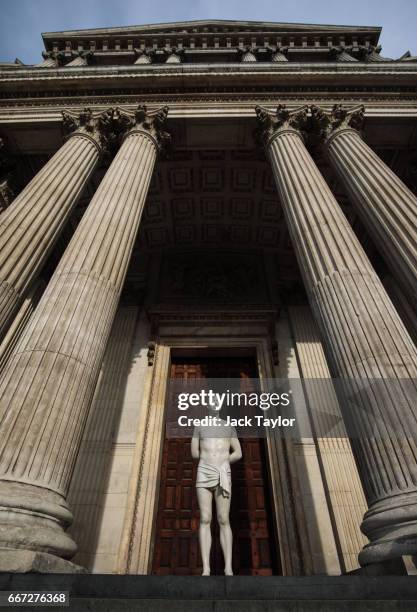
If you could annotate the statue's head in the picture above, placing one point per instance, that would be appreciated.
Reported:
(214, 404)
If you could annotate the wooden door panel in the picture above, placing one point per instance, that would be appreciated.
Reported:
(176, 543)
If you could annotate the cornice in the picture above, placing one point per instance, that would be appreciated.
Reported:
(208, 78)
(229, 69)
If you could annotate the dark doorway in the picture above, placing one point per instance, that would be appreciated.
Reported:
(255, 550)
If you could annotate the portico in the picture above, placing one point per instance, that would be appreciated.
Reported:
(242, 238)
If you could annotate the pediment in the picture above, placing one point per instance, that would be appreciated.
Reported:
(211, 26)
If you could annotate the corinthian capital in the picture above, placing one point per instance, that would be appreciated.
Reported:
(272, 122)
(98, 126)
(58, 56)
(151, 122)
(107, 128)
(144, 56)
(328, 123)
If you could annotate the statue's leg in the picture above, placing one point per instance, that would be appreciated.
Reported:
(226, 537)
(205, 503)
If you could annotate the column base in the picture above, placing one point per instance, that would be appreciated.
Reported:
(391, 526)
(393, 567)
(34, 519)
(383, 551)
(30, 561)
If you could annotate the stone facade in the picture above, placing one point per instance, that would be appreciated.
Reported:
(182, 188)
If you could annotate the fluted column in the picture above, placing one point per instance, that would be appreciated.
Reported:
(7, 167)
(20, 321)
(365, 338)
(30, 226)
(385, 205)
(49, 381)
(51, 59)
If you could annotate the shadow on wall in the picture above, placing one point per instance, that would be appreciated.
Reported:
(93, 469)
(329, 480)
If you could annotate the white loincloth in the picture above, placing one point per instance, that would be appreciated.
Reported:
(210, 476)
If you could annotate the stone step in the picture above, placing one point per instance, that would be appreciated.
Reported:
(115, 593)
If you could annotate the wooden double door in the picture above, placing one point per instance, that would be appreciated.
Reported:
(255, 550)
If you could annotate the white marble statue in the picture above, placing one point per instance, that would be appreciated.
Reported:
(216, 447)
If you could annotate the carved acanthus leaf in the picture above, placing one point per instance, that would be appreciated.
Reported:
(273, 121)
(104, 127)
(58, 56)
(108, 127)
(343, 53)
(370, 53)
(144, 56)
(151, 121)
(174, 55)
(280, 54)
(247, 54)
(326, 123)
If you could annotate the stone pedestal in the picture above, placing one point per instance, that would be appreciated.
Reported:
(47, 386)
(365, 338)
(385, 205)
(30, 226)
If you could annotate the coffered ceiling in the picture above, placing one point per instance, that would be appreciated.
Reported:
(207, 200)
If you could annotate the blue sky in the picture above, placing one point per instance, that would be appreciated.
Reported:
(22, 21)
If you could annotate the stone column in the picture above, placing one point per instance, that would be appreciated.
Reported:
(48, 383)
(7, 168)
(30, 226)
(406, 310)
(51, 59)
(385, 205)
(365, 338)
(20, 321)
(6, 194)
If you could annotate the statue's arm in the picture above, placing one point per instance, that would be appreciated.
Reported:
(195, 445)
(236, 449)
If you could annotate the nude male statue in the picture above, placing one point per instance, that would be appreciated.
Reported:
(216, 447)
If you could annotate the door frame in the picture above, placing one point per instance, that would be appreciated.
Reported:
(138, 538)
